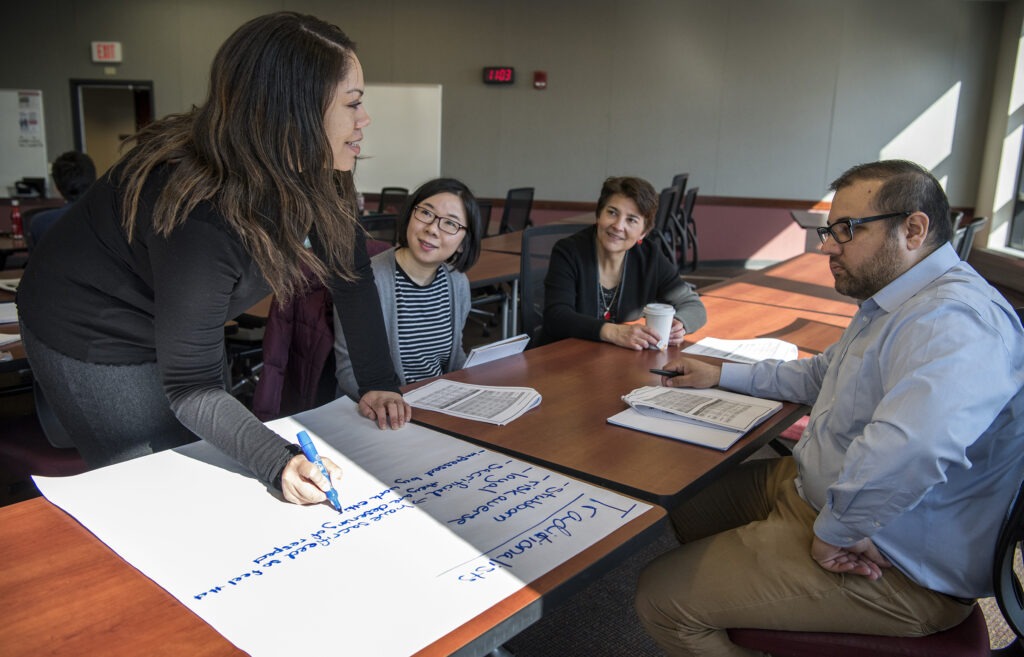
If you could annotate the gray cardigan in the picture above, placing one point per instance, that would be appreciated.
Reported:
(384, 275)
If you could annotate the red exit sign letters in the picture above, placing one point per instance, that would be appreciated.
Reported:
(106, 52)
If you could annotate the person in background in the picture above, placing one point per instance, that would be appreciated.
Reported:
(72, 173)
(422, 285)
(601, 278)
(883, 519)
(123, 305)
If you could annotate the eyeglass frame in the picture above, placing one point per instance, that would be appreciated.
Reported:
(825, 232)
(438, 218)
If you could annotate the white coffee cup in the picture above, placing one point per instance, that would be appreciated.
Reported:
(658, 317)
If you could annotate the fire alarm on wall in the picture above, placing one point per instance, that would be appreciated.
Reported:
(540, 80)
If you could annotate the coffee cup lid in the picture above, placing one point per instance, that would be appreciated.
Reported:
(659, 309)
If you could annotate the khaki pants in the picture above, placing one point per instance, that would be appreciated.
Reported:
(746, 562)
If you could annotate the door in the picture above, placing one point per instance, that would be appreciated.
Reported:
(105, 113)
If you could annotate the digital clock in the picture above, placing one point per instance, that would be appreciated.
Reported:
(499, 75)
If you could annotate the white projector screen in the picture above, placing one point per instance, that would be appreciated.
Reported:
(402, 145)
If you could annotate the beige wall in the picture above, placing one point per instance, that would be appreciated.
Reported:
(754, 98)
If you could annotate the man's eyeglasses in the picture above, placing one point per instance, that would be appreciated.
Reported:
(842, 230)
(446, 224)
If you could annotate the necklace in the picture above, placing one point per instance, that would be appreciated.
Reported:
(607, 298)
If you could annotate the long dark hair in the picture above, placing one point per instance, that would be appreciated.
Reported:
(258, 151)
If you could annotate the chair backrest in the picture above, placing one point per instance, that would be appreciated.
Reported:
(516, 215)
(392, 199)
(26, 224)
(955, 217)
(689, 241)
(381, 227)
(533, 268)
(1009, 593)
(485, 216)
(667, 204)
(970, 231)
(679, 185)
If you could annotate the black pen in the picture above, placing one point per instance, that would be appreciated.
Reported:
(666, 373)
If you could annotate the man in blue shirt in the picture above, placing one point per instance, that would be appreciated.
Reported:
(884, 519)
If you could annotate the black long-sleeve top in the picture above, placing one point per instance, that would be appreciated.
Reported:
(90, 294)
(571, 288)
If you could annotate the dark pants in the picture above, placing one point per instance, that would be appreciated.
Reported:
(112, 413)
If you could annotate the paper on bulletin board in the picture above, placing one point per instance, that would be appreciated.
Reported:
(22, 137)
(434, 531)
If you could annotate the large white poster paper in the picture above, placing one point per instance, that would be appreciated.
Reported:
(434, 531)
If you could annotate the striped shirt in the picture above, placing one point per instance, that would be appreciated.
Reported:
(425, 320)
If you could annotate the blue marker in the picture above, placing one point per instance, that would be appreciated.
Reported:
(310, 451)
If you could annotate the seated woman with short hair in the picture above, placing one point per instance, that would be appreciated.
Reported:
(600, 278)
(423, 289)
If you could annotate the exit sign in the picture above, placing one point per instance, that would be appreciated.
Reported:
(106, 52)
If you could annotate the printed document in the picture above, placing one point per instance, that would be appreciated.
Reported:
(712, 418)
(744, 351)
(494, 404)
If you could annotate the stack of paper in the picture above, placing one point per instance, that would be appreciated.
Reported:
(744, 351)
(712, 418)
(485, 353)
(494, 404)
(8, 313)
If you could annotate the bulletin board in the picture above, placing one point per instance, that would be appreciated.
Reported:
(22, 137)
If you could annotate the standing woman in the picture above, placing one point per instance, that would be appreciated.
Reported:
(423, 289)
(123, 305)
(603, 276)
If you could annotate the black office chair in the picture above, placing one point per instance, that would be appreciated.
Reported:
(392, 200)
(679, 185)
(485, 216)
(966, 238)
(968, 639)
(243, 344)
(516, 214)
(381, 227)
(538, 242)
(662, 232)
(955, 217)
(686, 233)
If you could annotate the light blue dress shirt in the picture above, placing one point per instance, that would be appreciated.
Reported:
(916, 435)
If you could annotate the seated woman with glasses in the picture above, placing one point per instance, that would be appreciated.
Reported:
(600, 279)
(423, 289)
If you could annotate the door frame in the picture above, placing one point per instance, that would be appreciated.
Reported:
(144, 114)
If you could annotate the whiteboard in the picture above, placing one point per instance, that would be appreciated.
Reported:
(22, 137)
(402, 145)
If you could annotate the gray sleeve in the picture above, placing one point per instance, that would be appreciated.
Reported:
(461, 302)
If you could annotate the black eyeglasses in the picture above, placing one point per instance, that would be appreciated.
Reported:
(446, 224)
(842, 230)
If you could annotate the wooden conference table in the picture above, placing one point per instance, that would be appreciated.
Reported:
(582, 382)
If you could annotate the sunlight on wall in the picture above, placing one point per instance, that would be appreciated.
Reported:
(1006, 183)
(928, 140)
(1017, 91)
